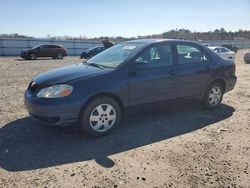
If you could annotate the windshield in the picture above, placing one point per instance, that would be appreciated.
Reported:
(36, 46)
(92, 48)
(115, 55)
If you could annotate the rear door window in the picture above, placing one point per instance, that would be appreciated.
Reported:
(51, 46)
(188, 54)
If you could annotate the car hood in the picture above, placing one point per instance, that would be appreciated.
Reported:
(25, 50)
(85, 51)
(66, 74)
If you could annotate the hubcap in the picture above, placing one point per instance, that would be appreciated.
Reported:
(214, 96)
(102, 118)
(32, 56)
(59, 56)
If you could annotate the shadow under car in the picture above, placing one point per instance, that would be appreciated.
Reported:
(26, 146)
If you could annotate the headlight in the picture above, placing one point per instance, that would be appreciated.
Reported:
(55, 91)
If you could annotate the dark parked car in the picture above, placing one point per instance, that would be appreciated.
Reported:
(54, 51)
(231, 47)
(91, 52)
(95, 92)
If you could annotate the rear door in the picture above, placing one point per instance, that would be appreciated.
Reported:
(194, 69)
(152, 76)
(52, 50)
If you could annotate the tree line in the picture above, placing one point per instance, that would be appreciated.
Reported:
(218, 34)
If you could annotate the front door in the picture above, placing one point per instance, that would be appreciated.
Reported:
(152, 76)
(42, 51)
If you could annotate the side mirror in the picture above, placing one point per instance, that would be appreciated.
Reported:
(140, 65)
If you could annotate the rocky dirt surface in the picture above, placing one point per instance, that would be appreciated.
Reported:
(181, 145)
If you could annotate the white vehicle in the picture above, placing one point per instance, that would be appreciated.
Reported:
(223, 52)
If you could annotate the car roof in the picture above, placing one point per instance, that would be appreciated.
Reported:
(50, 45)
(146, 41)
(213, 47)
(153, 41)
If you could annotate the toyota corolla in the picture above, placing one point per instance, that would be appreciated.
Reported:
(95, 92)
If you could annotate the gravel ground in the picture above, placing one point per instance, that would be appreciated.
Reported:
(174, 146)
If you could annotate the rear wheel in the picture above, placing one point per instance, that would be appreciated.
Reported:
(213, 95)
(100, 116)
(59, 55)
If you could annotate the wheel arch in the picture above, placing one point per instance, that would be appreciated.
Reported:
(32, 52)
(220, 81)
(104, 94)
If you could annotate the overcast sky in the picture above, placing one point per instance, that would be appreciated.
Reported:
(94, 18)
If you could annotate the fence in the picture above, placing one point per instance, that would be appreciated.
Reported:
(75, 47)
(237, 43)
(15, 46)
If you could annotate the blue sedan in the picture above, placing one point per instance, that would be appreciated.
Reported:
(95, 92)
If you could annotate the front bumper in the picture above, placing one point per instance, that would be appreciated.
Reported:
(24, 55)
(52, 111)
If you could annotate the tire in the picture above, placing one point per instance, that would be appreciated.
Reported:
(32, 56)
(213, 95)
(247, 57)
(99, 117)
(59, 55)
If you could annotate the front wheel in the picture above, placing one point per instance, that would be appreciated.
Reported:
(100, 116)
(213, 95)
(32, 56)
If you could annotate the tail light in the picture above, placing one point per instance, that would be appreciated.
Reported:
(234, 67)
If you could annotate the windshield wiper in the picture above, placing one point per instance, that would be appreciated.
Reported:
(93, 64)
